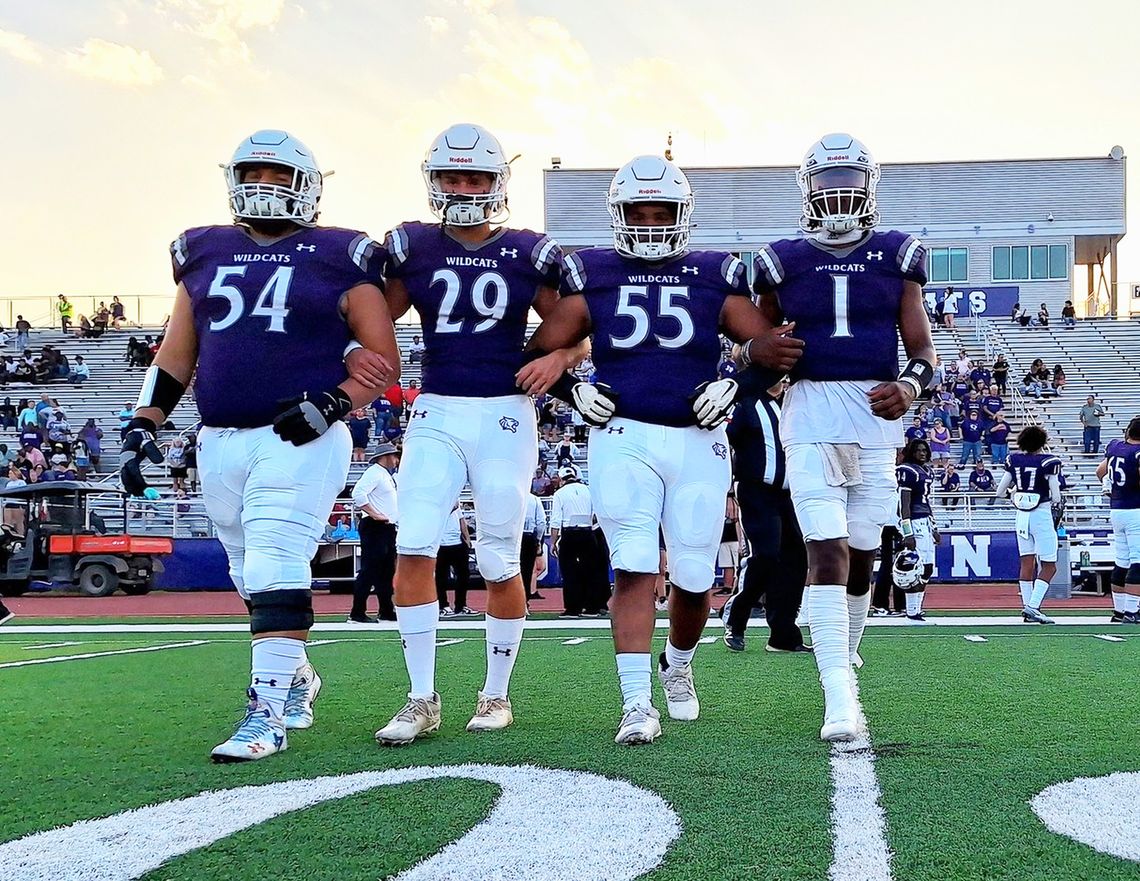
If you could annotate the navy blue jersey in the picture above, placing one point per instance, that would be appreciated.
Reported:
(268, 317)
(1031, 472)
(655, 325)
(918, 479)
(844, 301)
(1124, 472)
(993, 403)
(981, 481)
(473, 302)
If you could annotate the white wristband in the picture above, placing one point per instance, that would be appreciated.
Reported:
(351, 347)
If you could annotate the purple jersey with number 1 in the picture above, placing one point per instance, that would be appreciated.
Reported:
(844, 301)
(473, 301)
(268, 317)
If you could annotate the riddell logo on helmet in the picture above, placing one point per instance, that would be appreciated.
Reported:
(836, 158)
(647, 192)
(459, 159)
(263, 153)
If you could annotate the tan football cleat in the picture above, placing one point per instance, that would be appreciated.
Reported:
(639, 724)
(680, 691)
(491, 714)
(419, 716)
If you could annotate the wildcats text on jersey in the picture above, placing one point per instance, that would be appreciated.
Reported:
(263, 258)
(482, 262)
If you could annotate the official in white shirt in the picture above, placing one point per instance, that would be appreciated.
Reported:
(534, 530)
(453, 565)
(573, 543)
(375, 496)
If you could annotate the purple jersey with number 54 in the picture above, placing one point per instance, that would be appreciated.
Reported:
(473, 302)
(268, 317)
(844, 301)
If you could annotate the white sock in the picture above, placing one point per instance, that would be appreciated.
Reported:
(274, 661)
(504, 636)
(830, 626)
(857, 609)
(1026, 591)
(1120, 601)
(914, 602)
(1039, 589)
(676, 657)
(1131, 603)
(417, 632)
(803, 613)
(633, 675)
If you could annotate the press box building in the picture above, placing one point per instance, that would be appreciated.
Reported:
(998, 232)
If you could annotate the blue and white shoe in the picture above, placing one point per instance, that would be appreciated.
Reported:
(303, 693)
(258, 735)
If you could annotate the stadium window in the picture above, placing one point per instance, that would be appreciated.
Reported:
(1030, 262)
(947, 265)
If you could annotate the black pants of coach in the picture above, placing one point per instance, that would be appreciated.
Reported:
(578, 561)
(528, 553)
(777, 562)
(884, 581)
(453, 567)
(377, 568)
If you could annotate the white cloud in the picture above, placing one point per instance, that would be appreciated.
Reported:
(114, 63)
(20, 47)
(224, 22)
(436, 24)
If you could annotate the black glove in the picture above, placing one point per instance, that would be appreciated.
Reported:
(305, 418)
(141, 441)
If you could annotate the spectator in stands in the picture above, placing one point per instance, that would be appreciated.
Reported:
(949, 483)
(36, 473)
(999, 439)
(1045, 378)
(7, 414)
(1043, 315)
(92, 437)
(24, 371)
(1021, 315)
(972, 405)
(358, 426)
(982, 480)
(7, 367)
(964, 364)
(382, 411)
(546, 420)
(416, 351)
(954, 410)
(34, 455)
(938, 401)
(191, 460)
(134, 355)
(23, 329)
(578, 423)
(971, 438)
(981, 374)
(540, 483)
(925, 417)
(118, 313)
(125, 417)
(101, 320)
(1032, 385)
(1068, 314)
(66, 312)
(1001, 373)
(59, 431)
(916, 431)
(31, 435)
(566, 453)
(395, 396)
(176, 462)
(411, 393)
(992, 404)
(393, 433)
(939, 444)
(1091, 414)
(1059, 379)
(80, 373)
(1015, 313)
(961, 386)
(81, 457)
(45, 406)
(84, 329)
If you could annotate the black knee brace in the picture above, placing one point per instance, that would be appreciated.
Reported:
(249, 605)
(927, 572)
(1119, 576)
(1133, 576)
(279, 610)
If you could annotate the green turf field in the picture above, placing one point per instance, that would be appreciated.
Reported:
(964, 734)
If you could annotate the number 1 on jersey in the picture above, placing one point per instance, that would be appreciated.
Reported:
(839, 295)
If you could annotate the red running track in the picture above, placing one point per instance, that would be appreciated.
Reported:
(178, 604)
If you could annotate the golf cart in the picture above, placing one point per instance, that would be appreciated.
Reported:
(65, 543)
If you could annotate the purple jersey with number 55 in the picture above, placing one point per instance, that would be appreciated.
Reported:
(844, 301)
(268, 317)
(473, 302)
(655, 326)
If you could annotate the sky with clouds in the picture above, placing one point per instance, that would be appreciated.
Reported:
(117, 112)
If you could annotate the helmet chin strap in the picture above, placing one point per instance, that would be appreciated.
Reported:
(826, 237)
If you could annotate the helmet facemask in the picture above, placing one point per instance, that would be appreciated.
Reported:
(839, 198)
(467, 209)
(295, 202)
(651, 242)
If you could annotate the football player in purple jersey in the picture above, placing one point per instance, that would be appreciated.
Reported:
(473, 285)
(658, 455)
(263, 315)
(851, 290)
(1121, 467)
(1033, 479)
(915, 480)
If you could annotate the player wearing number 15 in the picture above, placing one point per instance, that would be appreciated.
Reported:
(473, 286)
(851, 290)
(262, 317)
(1121, 467)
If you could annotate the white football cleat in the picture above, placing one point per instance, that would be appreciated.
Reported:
(302, 695)
(840, 710)
(639, 724)
(491, 714)
(258, 735)
(1035, 616)
(419, 716)
(680, 691)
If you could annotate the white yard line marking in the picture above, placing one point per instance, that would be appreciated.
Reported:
(975, 638)
(578, 641)
(1108, 638)
(153, 648)
(444, 642)
(50, 645)
(857, 820)
(321, 642)
(707, 640)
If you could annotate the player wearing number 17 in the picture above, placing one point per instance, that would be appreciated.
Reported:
(851, 290)
(262, 318)
(473, 286)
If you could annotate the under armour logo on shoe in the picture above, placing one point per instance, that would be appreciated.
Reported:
(695, 270)
(495, 650)
(420, 413)
(272, 683)
(509, 424)
(256, 748)
(874, 255)
(721, 450)
(616, 429)
(309, 248)
(508, 252)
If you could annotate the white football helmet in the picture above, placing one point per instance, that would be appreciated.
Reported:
(650, 179)
(837, 179)
(467, 147)
(297, 201)
(906, 570)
